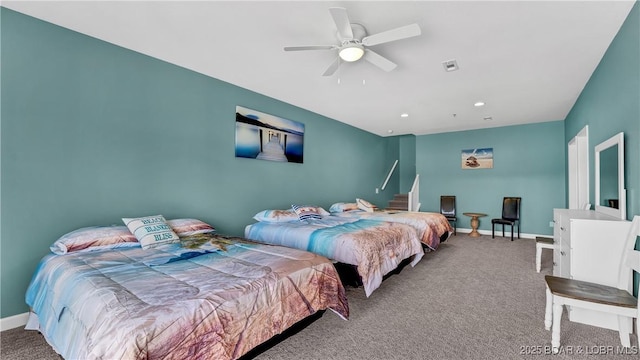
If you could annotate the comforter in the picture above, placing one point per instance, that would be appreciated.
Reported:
(430, 226)
(375, 247)
(216, 300)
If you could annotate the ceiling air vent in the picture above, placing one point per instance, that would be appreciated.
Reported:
(450, 65)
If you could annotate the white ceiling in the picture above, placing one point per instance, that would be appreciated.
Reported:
(528, 60)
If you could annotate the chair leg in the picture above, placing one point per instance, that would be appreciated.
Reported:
(512, 233)
(555, 327)
(455, 228)
(502, 230)
(638, 329)
(518, 230)
(538, 258)
(548, 309)
(624, 329)
(493, 230)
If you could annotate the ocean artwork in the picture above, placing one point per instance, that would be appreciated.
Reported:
(267, 137)
(477, 158)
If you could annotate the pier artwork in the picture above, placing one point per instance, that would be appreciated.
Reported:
(266, 137)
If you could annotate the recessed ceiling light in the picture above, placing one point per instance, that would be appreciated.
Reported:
(404, 115)
(487, 118)
(390, 131)
(479, 103)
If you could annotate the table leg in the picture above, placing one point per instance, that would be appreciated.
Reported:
(474, 227)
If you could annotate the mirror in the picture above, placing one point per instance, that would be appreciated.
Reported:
(609, 177)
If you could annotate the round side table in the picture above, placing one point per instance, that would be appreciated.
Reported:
(474, 222)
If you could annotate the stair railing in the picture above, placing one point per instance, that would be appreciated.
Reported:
(389, 176)
(414, 195)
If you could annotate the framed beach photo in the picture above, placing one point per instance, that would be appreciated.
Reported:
(266, 137)
(477, 158)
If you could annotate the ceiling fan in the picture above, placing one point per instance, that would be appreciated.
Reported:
(354, 42)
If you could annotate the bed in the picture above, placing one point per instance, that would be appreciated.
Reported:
(374, 247)
(432, 228)
(205, 296)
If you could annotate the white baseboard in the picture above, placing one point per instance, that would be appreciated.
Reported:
(14, 321)
(506, 233)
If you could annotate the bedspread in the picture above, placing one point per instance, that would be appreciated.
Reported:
(215, 301)
(375, 247)
(430, 226)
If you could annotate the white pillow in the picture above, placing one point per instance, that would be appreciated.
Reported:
(276, 216)
(342, 207)
(151, 231)
(365, 205)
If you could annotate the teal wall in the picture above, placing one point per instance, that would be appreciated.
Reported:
(407, 162)
(92, 133)
(528, 161)
(610, 103)
(392, 154)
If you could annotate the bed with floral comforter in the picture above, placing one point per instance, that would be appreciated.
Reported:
(375, 247)
(197, 300)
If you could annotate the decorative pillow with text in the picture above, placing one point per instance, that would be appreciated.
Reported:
(151, 231)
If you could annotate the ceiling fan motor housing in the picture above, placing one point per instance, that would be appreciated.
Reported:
(359, 32)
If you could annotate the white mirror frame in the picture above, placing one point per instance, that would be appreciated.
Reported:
(621, 212)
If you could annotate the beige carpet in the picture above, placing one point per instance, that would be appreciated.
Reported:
(474, 298)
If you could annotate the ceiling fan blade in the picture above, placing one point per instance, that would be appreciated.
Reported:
(392, 35)
(332, 68)
(378, 60)
(310, 47)
(343, 24)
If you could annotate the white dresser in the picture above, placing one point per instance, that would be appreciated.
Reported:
(588, 246)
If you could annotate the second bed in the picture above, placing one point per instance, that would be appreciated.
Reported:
(375, 247)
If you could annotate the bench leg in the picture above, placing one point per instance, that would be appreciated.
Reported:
(624, 330)
(547, 310)
(555, 327)
(538, 258)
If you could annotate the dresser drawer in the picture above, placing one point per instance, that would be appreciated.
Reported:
(565, 260)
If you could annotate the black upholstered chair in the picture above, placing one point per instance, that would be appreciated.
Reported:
(448, 209)
(510, 216)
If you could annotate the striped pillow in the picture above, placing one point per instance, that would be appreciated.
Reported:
(151, 231)
(306, 212)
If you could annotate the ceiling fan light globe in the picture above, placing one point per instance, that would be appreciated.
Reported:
(351, 53)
